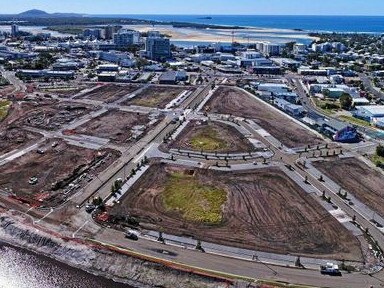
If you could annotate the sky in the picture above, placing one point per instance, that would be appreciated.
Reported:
(202, 7)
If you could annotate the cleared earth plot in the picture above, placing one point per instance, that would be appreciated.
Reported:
(366, 184)
(14, 138)
(227, 100)
(262, 209)
(115, 125)
(53, 115)
(55, 166)
(211, 137)
(156, 96)
(110, 93)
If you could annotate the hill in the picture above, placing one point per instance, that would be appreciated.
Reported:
(34, 13)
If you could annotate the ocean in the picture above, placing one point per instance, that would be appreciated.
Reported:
(20, 268)
(369, 24)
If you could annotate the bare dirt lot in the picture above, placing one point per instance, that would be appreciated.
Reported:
(110, 93)
(213, 137)
(366, 184)
(56, 116)
(156, 96)
(232, 101)
(116, 125)
(62, 92)
(59, 166)
(264, 210)
(14, 138)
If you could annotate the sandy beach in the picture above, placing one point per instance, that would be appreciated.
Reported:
(225, 35)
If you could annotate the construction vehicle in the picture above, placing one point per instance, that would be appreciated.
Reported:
(33, 181)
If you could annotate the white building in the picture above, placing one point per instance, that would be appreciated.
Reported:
(299, 48)
(249, 55)
(369, 112)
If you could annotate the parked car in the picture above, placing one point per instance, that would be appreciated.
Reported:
(132, 234)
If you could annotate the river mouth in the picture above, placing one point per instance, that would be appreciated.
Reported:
(20, 268)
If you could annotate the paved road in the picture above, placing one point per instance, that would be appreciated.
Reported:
(241, 267)
(368, 85)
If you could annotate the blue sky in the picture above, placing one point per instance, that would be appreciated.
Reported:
(249, 7)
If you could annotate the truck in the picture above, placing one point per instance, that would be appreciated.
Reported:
(330, 269)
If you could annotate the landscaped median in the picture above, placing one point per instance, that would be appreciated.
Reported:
(354, 121)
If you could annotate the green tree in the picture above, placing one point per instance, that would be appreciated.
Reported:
(380, 150)
(345, 101)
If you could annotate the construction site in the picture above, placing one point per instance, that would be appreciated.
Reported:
(232, 101)
(156, 96)
(211, 136)
(109, 93)
(119, 126)
(53, 172)
(209, 163)
(51, 114)
(261, 210)
(365, 183)
(15, 138)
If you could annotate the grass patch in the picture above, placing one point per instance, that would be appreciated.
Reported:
(207, 140)
(377, 160)
(67, 29)
(195, 202)
(4, 107)
(327, 106)
(354, 121)
(148, 102)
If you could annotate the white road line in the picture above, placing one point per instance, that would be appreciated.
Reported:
(138, 158)
(26, 212)
(81, 227)
(45, 216)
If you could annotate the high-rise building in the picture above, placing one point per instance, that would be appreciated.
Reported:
(14, 30)
(126, 38)
(93, 33)
(110, 30)
(157, 48)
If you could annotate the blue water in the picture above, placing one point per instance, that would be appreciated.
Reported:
(371, 24)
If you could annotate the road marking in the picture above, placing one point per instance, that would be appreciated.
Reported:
(26, 212)
(138, 158)
(81, 227)
(45, 216)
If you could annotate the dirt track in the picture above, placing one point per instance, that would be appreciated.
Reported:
(228, 100)
(115, 125)
(265, 211)
(366, 184)
(233, 140)
(110, 93)
(156, 96)
(55, 165)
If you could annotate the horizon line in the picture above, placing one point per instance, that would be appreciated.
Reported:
(178, 14)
